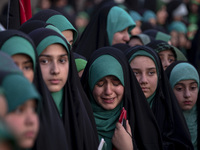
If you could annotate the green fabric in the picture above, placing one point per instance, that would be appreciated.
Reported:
(191, 120)
(58, 99)
(148, 14)
(7, 136)
(106, 121)
(18, 90)
(19, 45)
(150, 100)
(177, 26)
(144, 38)
(52, 39)
(55, 29)
(62, 23)
(179, 54)
(80, 64)
(135, 15)
(118, 20)
(2, 91)
(162, 36)
(183, 71)
(103, 66)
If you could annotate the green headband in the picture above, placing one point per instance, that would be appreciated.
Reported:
(18, 90)
(62, 24)
(183, 71)
(51, 40)
(103, 66)
(19, 45)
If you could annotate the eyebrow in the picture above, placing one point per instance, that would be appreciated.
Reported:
(43, 55)
(140, 69)
(28, 61)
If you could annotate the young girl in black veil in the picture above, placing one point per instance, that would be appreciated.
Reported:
(184, 80)
(110, 85)
(66, 117)
(147, 67)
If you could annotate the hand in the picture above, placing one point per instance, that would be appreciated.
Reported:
(122, 139)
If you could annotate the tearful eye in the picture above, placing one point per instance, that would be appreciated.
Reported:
(100, 83)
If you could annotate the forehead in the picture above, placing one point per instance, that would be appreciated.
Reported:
(186, 82)
(143, 61)
(167, 52)
(54, 49)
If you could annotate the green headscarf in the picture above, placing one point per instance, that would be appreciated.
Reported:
(148, 14)
(118, 20)
(19, 45)
(52, 39)
(185, 71)
(60, 22)
(105, 119)
(144, 53)
(6, 136)
(178, 26)
(18, 90)
(162, 36)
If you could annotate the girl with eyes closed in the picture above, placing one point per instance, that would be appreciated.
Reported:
(147, 67)
(184, 80)
(109, 84)
(66, 117)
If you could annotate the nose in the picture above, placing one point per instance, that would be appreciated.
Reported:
(54, 68)
(143, 79)
(31, 118)
(108, 89)
(126, 37)
(165, 63)
(187, 93)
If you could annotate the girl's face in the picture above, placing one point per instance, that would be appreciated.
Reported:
(108, 92)
(68, 34)
(167, 57)
(24, 123)
(186, 92)
(145, 71)
(54, 65)
(25, 64)
(121, 37)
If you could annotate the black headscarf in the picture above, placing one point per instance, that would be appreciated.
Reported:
(168, 72)
(144, 128)
(165, 107)
(76, 129)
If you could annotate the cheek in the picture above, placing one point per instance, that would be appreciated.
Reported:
(15, 123)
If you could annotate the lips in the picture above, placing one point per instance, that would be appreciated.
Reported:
(29, 134)
(187, 102)
(54, 81)
(144, 89)
(108, 100)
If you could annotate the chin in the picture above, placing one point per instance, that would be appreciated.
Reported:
(27, 144)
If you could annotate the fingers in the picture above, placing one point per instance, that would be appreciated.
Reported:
(128, 128)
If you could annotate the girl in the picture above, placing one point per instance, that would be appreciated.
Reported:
(184, 80)
(110, 85)
(147, 67)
